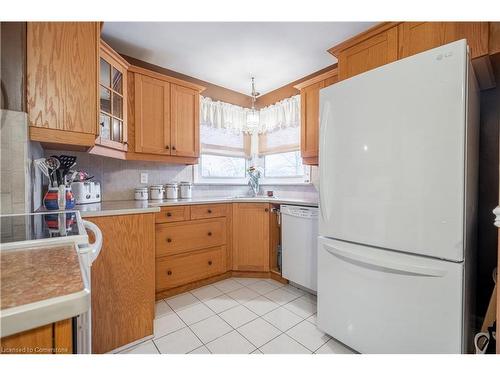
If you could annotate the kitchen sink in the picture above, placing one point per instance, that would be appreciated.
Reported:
(256, 197)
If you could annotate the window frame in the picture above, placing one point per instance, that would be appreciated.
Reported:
(218, 150)
(304, 179)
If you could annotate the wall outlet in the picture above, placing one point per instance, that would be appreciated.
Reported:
(144, 178)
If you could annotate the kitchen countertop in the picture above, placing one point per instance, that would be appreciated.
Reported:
(40, 285)
(127, 207)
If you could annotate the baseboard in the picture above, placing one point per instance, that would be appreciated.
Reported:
(198, 284)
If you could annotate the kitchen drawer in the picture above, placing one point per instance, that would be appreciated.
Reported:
(172, 214)
(178, 270)
(178, 238)
(206, 211)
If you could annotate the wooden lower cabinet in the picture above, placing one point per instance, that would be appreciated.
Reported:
(123, 281)
(187, 236)
(173, 271)
(55, 338)
(192, 244)
(251, 236)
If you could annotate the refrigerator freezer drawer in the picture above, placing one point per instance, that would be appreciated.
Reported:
(380, 301)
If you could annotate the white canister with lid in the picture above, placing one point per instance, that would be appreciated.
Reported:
(156, 192)
(186, 189)
(141, 194)
(172, 190)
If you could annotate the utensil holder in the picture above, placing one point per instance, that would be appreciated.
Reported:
(51, 199)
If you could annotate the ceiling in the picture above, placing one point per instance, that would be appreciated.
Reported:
(228, 54)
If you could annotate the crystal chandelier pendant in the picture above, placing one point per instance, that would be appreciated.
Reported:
(253, 117)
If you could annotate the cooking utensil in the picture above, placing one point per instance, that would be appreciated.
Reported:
(53, 164)
(66, 163)
(42, 165)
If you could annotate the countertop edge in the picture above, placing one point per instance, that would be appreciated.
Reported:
(32, 315)
(88, 211)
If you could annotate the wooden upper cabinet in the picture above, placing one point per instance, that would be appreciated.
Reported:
(251, 236)
(415, 37)
(165, 113)
(152, 115)
(62, 76)
(309, 114)
(371, 53)
(112, 128)
(390, 41)
(185, 124)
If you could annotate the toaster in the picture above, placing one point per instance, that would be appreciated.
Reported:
(86, 192)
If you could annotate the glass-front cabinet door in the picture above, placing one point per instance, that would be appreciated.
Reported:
(112, 128)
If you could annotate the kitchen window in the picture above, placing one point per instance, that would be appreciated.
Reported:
(279, 155)
(224, 156)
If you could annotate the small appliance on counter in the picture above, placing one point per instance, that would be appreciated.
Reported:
(172, 190)
(186, 190)
(86, 192)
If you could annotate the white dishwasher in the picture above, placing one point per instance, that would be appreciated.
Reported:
(299, 238)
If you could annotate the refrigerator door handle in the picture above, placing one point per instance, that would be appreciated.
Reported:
(323, 203)
(383, 264)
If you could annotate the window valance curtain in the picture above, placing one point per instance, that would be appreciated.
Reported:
(283, 114)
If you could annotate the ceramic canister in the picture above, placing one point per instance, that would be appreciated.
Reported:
(141, 194)
(186, 190)
(156, 192)
(172, 190)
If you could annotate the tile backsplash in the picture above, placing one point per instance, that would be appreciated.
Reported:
(119, 178)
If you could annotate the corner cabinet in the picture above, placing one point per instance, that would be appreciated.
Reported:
(112, 127)
(62, 75)
(163, 118)
(251, 236)
(309, 114)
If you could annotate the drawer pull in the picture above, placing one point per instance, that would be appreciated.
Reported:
(209, 233)
(169, 240)
(209, 211)
(169, 272)
(209, 262)
(266, 210)
(169, 214)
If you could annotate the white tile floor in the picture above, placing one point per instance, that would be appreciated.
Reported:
(239, 315)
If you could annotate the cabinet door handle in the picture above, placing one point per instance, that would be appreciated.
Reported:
(209, 233)
(267, 210)
(169, 240)
(209, 211)
(169, 272)
(167, 147)
(209, 262)
(169, 214)
(173, 148)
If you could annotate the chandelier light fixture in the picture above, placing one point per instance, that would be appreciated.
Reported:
(253, 114)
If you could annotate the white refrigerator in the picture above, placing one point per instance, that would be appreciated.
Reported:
(398, 201)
